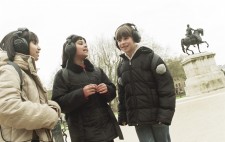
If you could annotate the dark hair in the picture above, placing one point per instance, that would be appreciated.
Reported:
(33, 38)
(123, 31)
(69, 49)
(8, 43)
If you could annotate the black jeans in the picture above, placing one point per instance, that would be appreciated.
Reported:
(153, 133)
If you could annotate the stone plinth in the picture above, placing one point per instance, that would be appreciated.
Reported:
(203, 75)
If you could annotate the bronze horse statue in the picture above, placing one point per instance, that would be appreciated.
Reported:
(193, 40)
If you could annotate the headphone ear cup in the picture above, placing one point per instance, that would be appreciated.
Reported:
(136, 36)
(21, 45)
(70, 49)
(116, 43)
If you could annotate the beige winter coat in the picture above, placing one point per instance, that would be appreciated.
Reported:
(22, 113)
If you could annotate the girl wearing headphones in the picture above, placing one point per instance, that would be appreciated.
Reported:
(26, 114)
(83, 92)
(145, 88)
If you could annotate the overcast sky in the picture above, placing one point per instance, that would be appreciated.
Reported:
(162, 20)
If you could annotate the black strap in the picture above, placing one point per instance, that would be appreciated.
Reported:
(18, 70)
(154, 61)
(65, 75)
(35, 137)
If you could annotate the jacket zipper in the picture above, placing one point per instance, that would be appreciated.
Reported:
(133, 88)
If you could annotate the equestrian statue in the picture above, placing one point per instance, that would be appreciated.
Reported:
(192, 39)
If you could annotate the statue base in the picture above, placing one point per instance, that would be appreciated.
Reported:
(203, 75)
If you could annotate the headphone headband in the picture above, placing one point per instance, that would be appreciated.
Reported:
(23, 29)
(20, 31)
(71, 38)
(131, 25)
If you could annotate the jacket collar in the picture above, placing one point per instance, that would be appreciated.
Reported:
(141, 50)
(78, 69)
(132, 54)
(26, 62)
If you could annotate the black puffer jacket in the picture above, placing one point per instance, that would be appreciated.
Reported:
(145, 96)
(89, 119)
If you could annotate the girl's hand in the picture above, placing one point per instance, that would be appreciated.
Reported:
(89, 89)
(102, 88)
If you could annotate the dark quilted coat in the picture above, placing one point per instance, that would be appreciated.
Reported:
(145, 97)
(89, 119)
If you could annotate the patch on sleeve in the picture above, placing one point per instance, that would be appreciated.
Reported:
(161, 69)
(120, 82)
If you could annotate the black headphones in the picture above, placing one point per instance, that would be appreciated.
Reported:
(70, 45)
(20, 43)
(135, 34)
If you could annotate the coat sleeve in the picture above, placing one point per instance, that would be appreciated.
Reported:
(67, 100)
(21, 114)
(166, 92)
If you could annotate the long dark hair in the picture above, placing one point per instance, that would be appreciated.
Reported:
(7, 43)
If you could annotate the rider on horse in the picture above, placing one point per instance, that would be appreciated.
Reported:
(189, 32)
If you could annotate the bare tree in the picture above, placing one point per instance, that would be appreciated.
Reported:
(163, 52)
(105, 55)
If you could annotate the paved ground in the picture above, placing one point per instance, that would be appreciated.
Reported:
(197, 119)
(201, 119)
